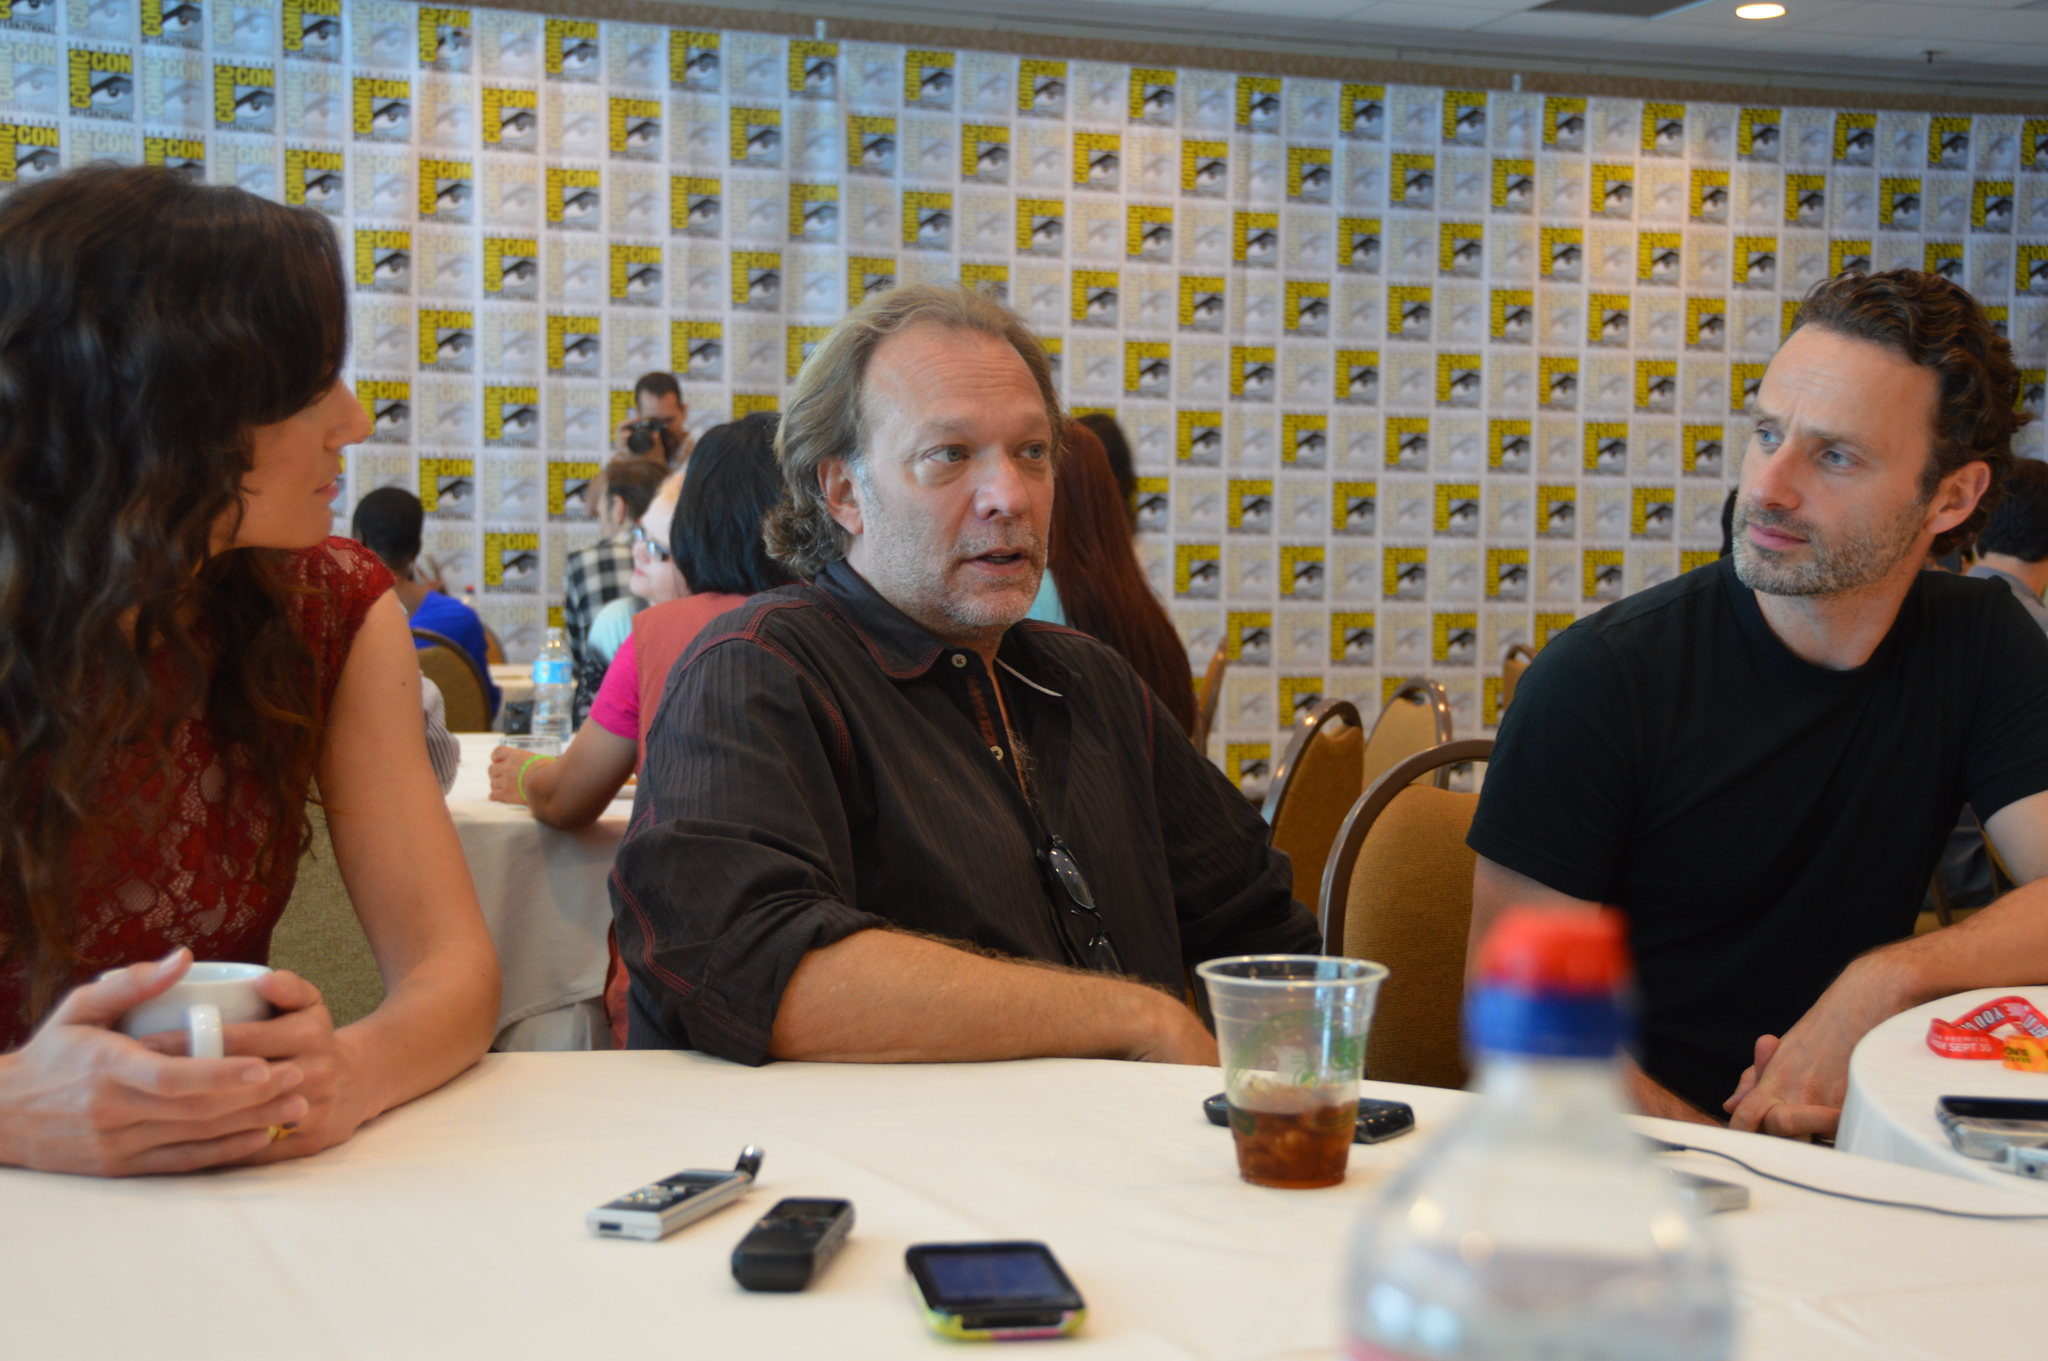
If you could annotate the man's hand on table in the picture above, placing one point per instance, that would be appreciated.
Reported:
(81, 1097)
(1796, 1087)
(1174, 1034)
(1775, 1110)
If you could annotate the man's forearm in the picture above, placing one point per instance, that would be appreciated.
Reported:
(1652, 1097)
(2005, 944)
(887, 997)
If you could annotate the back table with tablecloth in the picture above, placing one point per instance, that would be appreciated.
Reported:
(544, 901)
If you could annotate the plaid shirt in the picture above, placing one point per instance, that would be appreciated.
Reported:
(594, 577)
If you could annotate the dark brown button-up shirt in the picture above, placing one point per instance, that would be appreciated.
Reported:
(821, 765)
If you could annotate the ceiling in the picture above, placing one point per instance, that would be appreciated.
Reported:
(1988, 46)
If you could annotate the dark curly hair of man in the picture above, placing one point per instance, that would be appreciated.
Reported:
(1935, 324)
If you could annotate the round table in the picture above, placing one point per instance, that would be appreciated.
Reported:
(545, 901)
(1895, 1079)
(453, 1227)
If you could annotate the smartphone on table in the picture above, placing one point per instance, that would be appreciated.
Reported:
(1986, 1126)
(994, 1292)
(1377, 1120)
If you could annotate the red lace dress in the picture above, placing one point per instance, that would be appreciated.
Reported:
(184, 872)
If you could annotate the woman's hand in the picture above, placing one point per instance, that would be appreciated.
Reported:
(82, 1097)
(506, 763)
(336, 1088)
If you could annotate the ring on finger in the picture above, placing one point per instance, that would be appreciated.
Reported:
(279, 1132)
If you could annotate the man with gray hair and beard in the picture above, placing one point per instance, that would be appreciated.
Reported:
(884, 818)
(1759, 762)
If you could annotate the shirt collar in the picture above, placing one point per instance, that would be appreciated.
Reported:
(900, 645)
(905, 649)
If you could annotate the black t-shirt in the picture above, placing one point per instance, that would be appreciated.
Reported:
(1761, 820)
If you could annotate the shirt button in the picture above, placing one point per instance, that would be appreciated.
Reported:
(996, 752)
(959, 659)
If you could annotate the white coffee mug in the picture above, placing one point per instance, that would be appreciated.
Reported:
(208, 997)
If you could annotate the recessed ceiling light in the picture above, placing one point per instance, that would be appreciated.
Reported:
(1759, 11)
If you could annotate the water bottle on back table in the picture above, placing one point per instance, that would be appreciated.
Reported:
(1538, 1227)
(554, 692)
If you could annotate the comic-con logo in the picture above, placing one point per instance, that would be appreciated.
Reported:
(102, 84)
(244, 98)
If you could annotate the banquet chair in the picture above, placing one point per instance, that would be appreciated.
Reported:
(494, 651)
(319, 937)
(1209, 696)
(1319, 779)
(1398, 889)
(2002, 881)
(1943, 914)
(1511, 668)
(448, 664)
(1946, 914)
(1416, 717)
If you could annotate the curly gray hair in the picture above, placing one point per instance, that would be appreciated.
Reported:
(826, 418)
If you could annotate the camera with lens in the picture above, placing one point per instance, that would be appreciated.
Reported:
(642, 435)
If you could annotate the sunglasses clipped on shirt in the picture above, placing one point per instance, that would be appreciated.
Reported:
(655, 549)
(1086, 933)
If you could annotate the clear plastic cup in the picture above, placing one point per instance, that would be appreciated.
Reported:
(1291, 1029)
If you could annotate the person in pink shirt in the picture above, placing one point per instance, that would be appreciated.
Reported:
(713, 545)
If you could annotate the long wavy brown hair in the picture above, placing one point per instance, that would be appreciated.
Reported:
(148, 324)
(1102, 589)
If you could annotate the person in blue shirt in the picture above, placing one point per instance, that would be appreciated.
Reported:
(387, 522)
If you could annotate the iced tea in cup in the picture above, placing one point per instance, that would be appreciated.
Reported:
(1291, 1029)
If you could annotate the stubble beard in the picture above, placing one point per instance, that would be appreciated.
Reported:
(934, 592)
(1830, 568)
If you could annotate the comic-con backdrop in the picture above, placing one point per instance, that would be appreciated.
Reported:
(1412, 374)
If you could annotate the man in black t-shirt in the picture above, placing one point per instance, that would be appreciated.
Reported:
(1760, 762)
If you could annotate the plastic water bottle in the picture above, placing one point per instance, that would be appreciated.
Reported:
(554, 691)
(1538, 1226)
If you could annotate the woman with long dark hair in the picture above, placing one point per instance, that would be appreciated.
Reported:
(184, 654)
(1102, 589)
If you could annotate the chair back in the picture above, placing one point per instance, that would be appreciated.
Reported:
(319, 937)
(1416, 718)
(494, 650)
(1511, 668)
(1319, 778)
(448, 664)
(1398, 889)
(1210, 696)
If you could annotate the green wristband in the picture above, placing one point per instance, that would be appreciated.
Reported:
(537, 756)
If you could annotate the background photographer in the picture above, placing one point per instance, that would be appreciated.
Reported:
(656, 397)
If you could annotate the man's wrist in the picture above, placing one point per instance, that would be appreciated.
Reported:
(1129, 1024)
(1154, 1019)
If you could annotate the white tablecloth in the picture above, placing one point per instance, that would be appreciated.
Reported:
(1895, 1079)
(544, 899)
(453, 1228)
